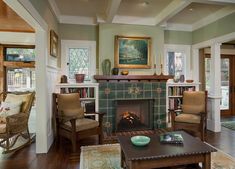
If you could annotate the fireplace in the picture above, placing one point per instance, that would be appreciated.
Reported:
(134, 114)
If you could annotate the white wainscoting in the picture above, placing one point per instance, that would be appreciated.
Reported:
(52, 80)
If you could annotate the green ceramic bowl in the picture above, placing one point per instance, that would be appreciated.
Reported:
(140, 140)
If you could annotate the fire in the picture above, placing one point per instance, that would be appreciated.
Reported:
(129, 116)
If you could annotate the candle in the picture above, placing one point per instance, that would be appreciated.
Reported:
(160, 58)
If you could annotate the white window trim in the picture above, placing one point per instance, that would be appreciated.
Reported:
(66, 44)
(187, 57)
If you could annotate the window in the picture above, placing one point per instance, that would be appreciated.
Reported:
(19, 54)
(79, 57)
(20, 79)
(175, 63)
(19, 63)
(177, 60)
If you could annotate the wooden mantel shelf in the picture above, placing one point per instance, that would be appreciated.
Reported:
(132, 77)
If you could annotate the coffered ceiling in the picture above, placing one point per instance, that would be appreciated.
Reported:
(172, 14)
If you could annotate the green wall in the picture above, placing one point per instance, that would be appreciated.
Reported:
(107, 33)
(220, 27)
(43, 8)
(177, 37)
(78, 32)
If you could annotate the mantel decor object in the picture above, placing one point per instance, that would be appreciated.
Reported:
(106, 67)
(115, 71)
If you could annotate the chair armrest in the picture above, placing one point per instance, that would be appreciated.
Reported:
(17, 122)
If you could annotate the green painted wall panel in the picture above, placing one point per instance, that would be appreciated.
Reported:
(78, 32)
(220, 27)
(177, 37)
(107, 33)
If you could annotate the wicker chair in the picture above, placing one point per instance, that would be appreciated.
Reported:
(16, 126)
(70, 119)
(194, 114)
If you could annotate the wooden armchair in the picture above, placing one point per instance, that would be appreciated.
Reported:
(194, 114)
(14, 114)
(70, 120)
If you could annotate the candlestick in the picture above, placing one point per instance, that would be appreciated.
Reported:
(161, 70)
(155, 73)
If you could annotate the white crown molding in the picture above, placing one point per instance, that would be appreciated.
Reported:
(134, 20)
(55, 9)
(81, 20)
(178, 27)
(213, 17)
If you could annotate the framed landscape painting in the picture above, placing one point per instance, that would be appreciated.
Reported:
(132, 52)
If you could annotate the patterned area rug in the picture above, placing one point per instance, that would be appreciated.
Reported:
(108, 157)
(229, 124)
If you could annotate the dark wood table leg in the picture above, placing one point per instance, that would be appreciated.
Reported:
(122, 159)
(207, 161)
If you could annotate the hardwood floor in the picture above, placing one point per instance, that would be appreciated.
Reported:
(60, 156)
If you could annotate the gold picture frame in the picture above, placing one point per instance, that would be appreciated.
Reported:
(53, 43)
(132, 52)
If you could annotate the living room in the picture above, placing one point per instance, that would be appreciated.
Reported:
(196, 29)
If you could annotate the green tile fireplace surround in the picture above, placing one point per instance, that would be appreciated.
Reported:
(112, 90)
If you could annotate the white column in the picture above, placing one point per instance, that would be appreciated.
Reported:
(213, 121)
(195, 66)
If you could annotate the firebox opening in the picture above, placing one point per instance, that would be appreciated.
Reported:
(134, 114)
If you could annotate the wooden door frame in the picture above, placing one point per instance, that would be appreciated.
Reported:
(11, 64)
(231, 111)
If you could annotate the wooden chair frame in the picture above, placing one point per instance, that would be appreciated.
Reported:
(74, 135)
(192, 128)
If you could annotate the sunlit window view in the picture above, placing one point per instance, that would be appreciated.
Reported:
(20, 54)
(175, 63)
(79, 62)
(22, 79)
(224, 104)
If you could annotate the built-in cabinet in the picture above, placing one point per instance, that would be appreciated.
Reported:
(89, 93)
(175, 95)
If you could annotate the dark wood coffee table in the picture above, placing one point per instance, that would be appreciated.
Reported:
(157, 155)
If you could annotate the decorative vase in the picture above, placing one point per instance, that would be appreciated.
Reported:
(79, 78)
(115, 71)
(181, 78)
(106, 67)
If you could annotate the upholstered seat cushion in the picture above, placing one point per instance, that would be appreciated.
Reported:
(69, 105)
(82, 124)
(188, 118)
(2, 128)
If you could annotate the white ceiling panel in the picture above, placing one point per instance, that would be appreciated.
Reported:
(194, 12)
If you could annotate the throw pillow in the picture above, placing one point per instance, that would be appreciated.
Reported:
(8, 108)
(23, 98)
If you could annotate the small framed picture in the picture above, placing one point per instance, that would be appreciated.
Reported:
(53, 44)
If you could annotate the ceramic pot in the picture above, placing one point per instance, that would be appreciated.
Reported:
(115, 71)
(106, 67)
(79, 78)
